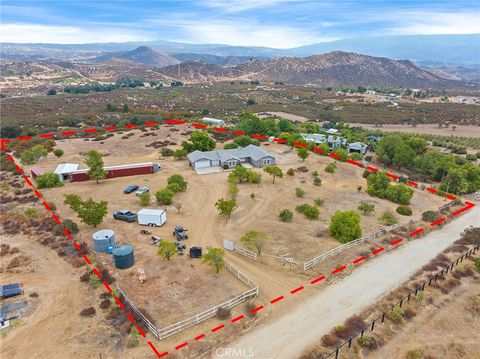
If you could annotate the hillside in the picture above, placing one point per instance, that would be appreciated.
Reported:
(142, 54)
(334, 68)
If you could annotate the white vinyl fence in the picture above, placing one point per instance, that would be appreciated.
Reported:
(200, 317)
(333, 252)
(240, 250)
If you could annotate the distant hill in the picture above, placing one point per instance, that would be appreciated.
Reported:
(142, 54)
(215, 59)
(334, 68)
(421, 49)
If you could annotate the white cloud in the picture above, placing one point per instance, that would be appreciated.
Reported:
(240, 5)
(37, 33)
(241, 32)
(431, 23)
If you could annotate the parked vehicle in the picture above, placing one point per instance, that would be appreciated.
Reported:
(179, 232)
(131, 188)
(142, 191)
(152, 217)
(125, 215)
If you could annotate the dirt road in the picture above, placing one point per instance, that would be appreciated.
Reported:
(288, 336)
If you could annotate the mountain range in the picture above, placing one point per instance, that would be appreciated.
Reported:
(432, 50)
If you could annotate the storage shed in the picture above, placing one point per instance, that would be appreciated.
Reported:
(123, 257)
(63, 170)
(118, 171)
(103, 239)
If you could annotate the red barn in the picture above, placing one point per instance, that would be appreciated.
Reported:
(118, 171)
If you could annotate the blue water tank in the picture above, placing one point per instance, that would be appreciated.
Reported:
(123, 257)
(103, 239)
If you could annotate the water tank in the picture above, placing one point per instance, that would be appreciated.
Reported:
(123, 257)
(103, 239)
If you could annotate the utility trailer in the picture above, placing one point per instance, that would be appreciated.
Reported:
(152, 217)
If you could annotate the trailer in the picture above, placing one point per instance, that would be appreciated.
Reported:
(152, 217)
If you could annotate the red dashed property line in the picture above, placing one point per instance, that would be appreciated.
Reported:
(236, 319)
(411, 183)
(217, 328)
(359, 260)
(397, 241)
(255, 310)
(372, 169)
(378, 250)
(318, 279)
(339, 269)
(199, 337)
(418, 231)
(437, 222)
(392, 176)
(431, 190)
(296, 290)
(160, 355)
(276, 300)
(180, 346)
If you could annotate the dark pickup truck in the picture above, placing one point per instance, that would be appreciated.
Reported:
(125, 215)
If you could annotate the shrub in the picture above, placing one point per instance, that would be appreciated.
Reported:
(31, 212)
(133, 340)
(477, 264)
(396, 314)
(145, 199)
(317, 181)
(329, 340)
(356, 156)
(88, 312)
(345, 226)
(58, 152)
(223, 313)
(359, 188)
(400, 193)
(48, 180)
(311, 212)
(471, 157)
(166, 152)
(164, 196)
(315, 173)
(52, 206)
(414, 354)
(318, 202)
(70, 225)
(285, 215)
(366, 207)
(174, 187)
(388, 218)
(404, 210)
(331, 167)
(291, 172)
(105, 304)
(368, 342)
(430, 216)
(179, 180)
(299, 192)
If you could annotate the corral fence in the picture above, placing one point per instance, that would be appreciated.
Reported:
(333, 252)
(239, 249)
(370, 327)
(162, 333)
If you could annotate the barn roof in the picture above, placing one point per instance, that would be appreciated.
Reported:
(65, 168)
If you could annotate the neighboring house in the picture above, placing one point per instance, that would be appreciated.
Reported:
(319, 138)
(214, 121)
(359, 147)
(373, 138)
(252, 154)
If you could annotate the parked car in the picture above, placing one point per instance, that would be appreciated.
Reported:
(142, 191)
(131, 188)
(125, 215)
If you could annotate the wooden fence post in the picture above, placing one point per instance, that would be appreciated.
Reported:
(373, 326)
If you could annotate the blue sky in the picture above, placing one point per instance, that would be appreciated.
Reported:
(272, 23)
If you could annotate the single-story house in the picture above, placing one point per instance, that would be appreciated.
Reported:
(252, 154)
(214, 121)
(64, 170)
(319, 138)
(374, 138)
(358, 147)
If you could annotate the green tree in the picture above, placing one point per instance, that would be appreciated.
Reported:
(285, 215)
(342, 153)
(403, 155)
(285, 125)
(239, 174)
(366, 207)
(345, 226)
(250, 102)
(174, 187)
(386, 148)
(399, 193)
(303, 153)
(164, 196)
(254, 177)
(52, 92)
(89, 211)
(125, 108)
(230, 146)
(273, 171)
(244, 141)
(145, 199)
(418, 144)
(94, 162)
(39, 151)
(167, 249)
(180, 154)
(299, 192)
(27, 157)
(215, 258)
(58, 152)
(377, 184)
(254, 240)
(48, 180)
(178, 179)
(199, 141)
(226, 207)
(331, 167)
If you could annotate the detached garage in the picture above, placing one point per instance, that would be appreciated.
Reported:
(201, 163)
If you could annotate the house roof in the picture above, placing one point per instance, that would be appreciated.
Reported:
(251, 151)
(357, 145)
(66, 168)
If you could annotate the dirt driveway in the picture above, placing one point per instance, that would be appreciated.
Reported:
(288, 336)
